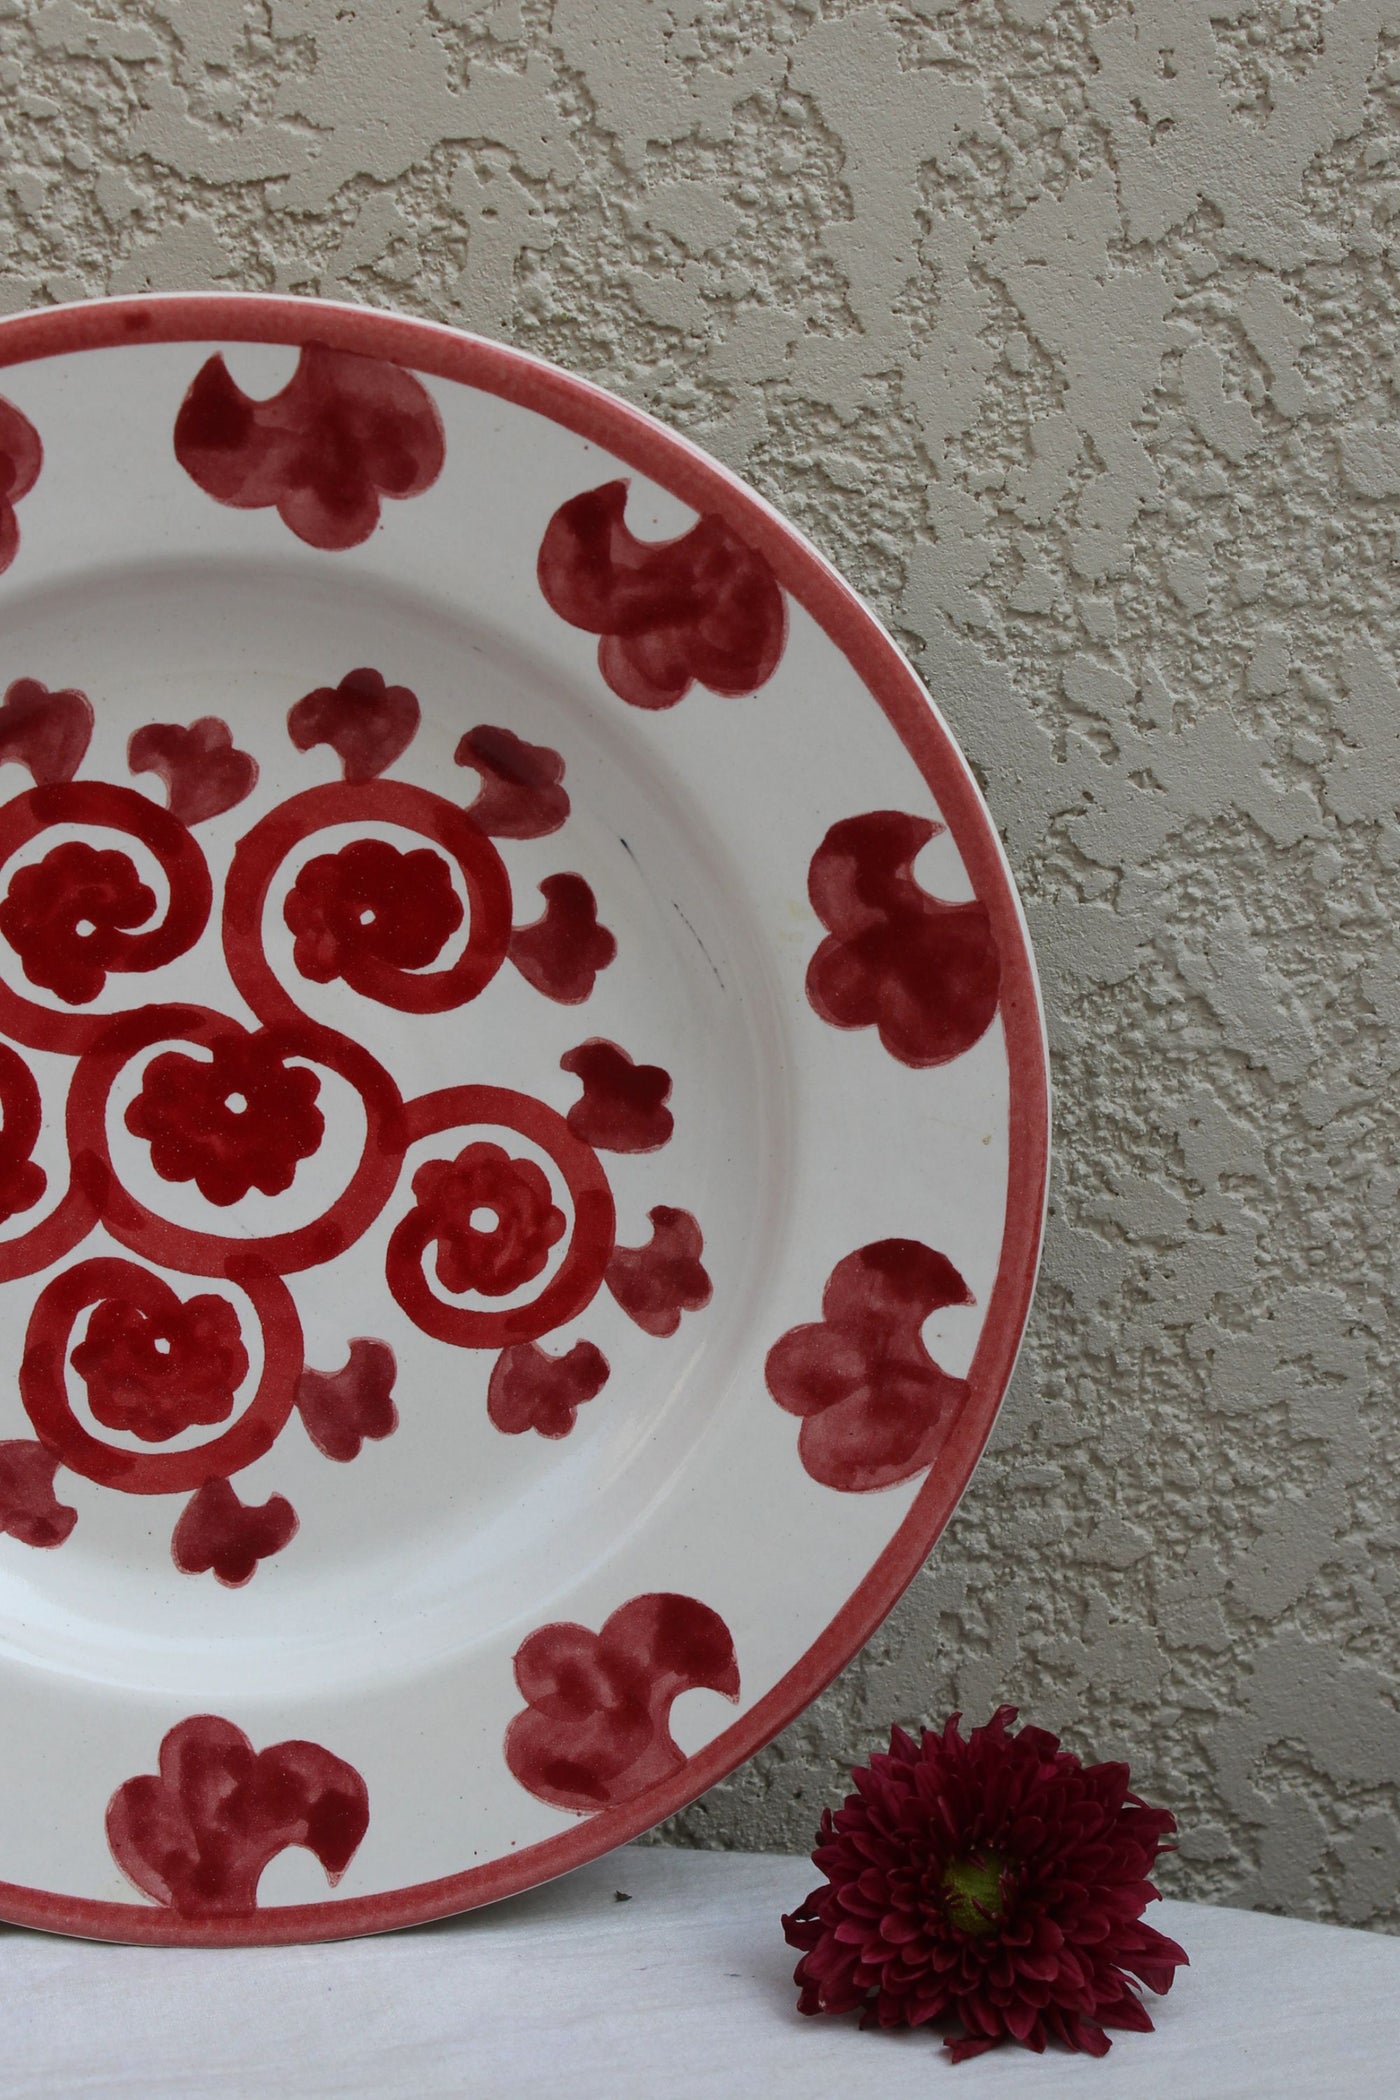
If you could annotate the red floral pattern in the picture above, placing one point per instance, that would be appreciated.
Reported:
(196, 1835)
(655, 1284)
(22, 1182)
(924, 973)
(154, 1374)
(30, 1511)
(370, 902)
(21, 457)
(875, 1406)
(562, 953)
(68, 915)
(343, 432)
(622, 1106)
(219, 1535)
(340, 1409)
(242, 1119)
(492, 1217)
(530, 1390)
(46, 732)
(367, 723)
(595, 1730)
(701, 609)
(204, 771)
(522, 785)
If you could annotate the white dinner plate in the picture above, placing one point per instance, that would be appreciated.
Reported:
(524, 1121)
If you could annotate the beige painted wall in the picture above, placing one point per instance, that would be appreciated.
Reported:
(1069, 332)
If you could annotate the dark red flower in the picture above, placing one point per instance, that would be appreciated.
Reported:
(156, 1374)
(68, 915)
(492, 1216)
(241, 1119)
(991, 1882)
(371, 902)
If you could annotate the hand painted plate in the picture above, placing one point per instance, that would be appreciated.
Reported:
(524, 1121)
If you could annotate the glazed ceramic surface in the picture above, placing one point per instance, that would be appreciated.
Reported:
(524, 1121)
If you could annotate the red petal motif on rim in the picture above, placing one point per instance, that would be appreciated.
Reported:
(344, 431)
(876, 1408)
(47, 732)
(21, 456)
(655, 1284)
(531, 1390)
(204, 771)
(704, 608)
(923, 972)
(522, 785)
(595, 1731)
(367, 723)
(222, 1536)
(621, 1109)
(197, 1835)
(340, 1409)
(154, 1374)
(562, 953)
(29, 1509)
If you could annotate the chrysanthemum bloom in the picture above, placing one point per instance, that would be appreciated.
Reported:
(991, 1881)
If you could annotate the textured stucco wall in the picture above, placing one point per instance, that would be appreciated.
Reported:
(1069, 332)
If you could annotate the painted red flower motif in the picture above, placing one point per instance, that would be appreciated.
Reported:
(367, 723)
(993, 1885)
(622, 1106)
(30, 1511)
(46, 732)
(204, 771)
(703, 609)
(242, 1119)
(220, 1536)
(925, 973)
(156, 1374)
(21, 456)
(875, 1406)
(67, 917)
(595, 1730)
(562, 953)
(343, 432)
(656, 1283)
(340, 1409)
(522, 785)
(196, 1835)
(531, 1390)
(22, 1182)
(493, 1218)
(371, 903)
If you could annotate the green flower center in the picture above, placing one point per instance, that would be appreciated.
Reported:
(972, 1892)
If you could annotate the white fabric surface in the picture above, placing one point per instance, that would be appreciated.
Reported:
(683, 1991)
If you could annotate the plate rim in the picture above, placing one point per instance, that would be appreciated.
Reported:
(650, 447)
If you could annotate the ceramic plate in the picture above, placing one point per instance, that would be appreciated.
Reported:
(524, 1121)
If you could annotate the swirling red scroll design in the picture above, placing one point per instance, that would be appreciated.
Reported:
(596, 1726)
(196, 1252)
(43, 1377)
(196, 1835)
(589, 1239)
(343, 432)
(261, 852)
(704, 608)
(42, 922)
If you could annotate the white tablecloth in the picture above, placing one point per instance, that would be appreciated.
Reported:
(683, 1991)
